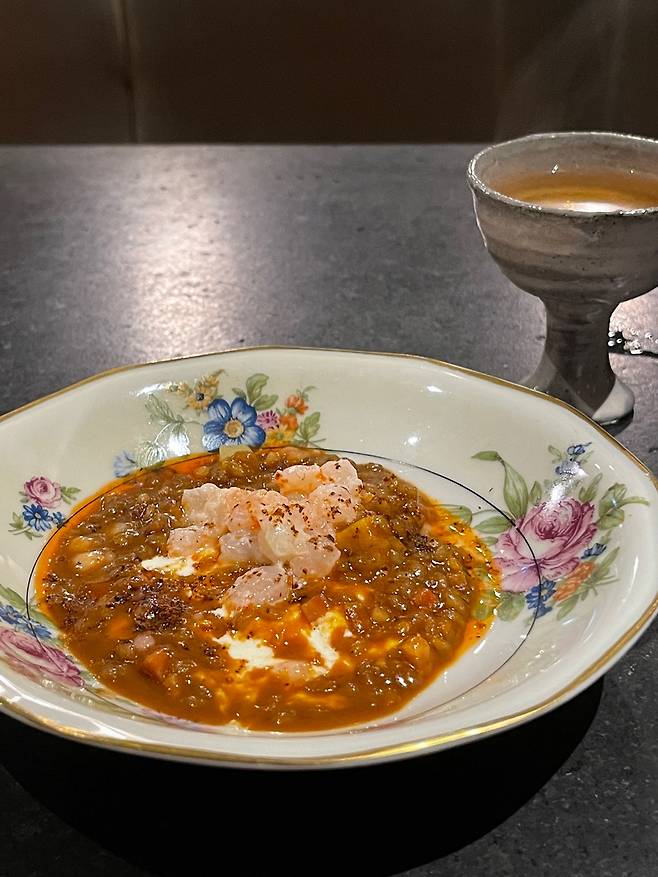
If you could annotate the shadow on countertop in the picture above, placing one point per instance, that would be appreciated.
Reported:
(173, 819)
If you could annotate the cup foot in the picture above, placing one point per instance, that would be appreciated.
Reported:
(616, 406)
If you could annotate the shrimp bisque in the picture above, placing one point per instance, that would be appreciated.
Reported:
(283, 589)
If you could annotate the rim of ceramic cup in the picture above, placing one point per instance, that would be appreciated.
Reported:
(476, 183)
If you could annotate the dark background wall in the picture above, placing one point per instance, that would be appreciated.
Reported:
(323, 70)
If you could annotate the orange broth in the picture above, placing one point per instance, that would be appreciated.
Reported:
(395, 610)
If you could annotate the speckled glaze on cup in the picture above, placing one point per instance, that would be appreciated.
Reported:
(580, 264)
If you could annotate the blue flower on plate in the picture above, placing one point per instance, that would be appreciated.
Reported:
(11, 615)
(577, 450)
(58, 518)
(37, 517)
(594, 550)
(232, 424)
(570, 467)
(537, 597)
(123, 464)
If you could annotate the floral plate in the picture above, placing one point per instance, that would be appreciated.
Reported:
(569, 514)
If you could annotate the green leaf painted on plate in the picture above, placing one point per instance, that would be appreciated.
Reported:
(515, 490)
(567, 606)
(535, 493)
(69, 494)
(12, 598)
(309, 427)
(488, 600)
(159, 410)
(589, 491)
(460, 511)
(495, 524)
(148, 454)
(558, 455)
(602, 569)
(611, 499)
(255, 385)
(612, 519)
(179, 440)
(263, 403)
(611, 505)
(17, 522)
(18, 526)
(511, 605)
(636, 499)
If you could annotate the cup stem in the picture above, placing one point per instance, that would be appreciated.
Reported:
(575, 365)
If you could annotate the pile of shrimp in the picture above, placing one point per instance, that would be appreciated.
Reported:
(287, 534)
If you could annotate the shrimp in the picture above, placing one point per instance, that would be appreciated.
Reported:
(333, 505)
(282, 533)
(210, 504)
(303, 480)
(241, 549)
(316, 557)
(260, 586)
(342, 472)
(295, 524)
(186, 541)
(298, 480)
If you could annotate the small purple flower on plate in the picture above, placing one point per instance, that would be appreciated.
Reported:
(268, 420)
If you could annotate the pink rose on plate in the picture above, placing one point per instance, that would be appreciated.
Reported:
(557, 532)
(37, 661)
(43, 491)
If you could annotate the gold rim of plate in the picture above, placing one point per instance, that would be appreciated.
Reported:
(380, 753)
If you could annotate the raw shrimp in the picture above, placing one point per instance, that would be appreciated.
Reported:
(299, 480)
(342, 472)
(187, 541)
(294, 525)
(260, 586)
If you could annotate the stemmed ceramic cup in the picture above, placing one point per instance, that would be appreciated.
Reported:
(581, 262)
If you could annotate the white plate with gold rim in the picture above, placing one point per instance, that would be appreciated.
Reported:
(570, 515)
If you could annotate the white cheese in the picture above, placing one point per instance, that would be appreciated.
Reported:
(321, 633)
(254, 652)
(177, 566)
(257, 654)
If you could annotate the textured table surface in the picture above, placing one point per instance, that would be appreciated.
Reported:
(113, 255)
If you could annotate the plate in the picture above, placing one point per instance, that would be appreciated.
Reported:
(569, 514)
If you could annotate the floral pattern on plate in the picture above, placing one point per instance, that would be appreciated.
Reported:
(41, 502)
(209, 418)
(554, 543)
(26, 643)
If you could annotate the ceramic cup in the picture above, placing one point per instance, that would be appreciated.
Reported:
(580, 264)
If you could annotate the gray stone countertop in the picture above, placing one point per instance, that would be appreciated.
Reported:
(114, 255)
